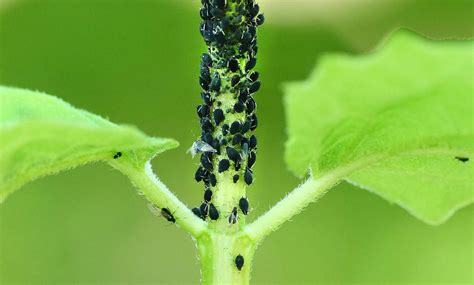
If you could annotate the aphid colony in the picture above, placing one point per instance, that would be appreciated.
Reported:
(227, 114)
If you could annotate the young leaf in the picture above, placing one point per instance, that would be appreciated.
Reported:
(401, 119)
(42, 135)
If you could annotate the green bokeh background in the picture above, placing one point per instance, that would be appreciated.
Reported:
(137, 62)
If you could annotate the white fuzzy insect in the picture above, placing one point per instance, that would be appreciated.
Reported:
(200, 146)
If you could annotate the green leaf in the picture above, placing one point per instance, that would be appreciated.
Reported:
(395, 119)
(41, 135)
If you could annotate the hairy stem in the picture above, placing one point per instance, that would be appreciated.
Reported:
(159, 195)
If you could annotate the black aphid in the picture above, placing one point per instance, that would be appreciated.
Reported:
(204, 83)
(220, 3)
(218, 116)
(206, 59)
(237, 139)
(117, 155)
(251, 63)
(225, 129)
(260, 19)
(252, 159)
(206, 161)
(223, 165)
(253, 142)
(239, 107)
(254, 76)
(165, 212)
(233, 65)
(197, 212)
(204, 208)
(215, 84)
(254, 87)
(233, 154)
(234, 128)
(206, 97)
(233, 216)
(245, 127)
(239, 262)
(203, 111)
(462, 159)
(206, 125)
(248, 176)
(235, 178)
(208, 195)
(251, 105)
(235, 80)
(244, 205)
(212, 179)
(213, 213)
(253, 122)
(200, 174)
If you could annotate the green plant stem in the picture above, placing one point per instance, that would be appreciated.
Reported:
(157, 193)
(217, 252)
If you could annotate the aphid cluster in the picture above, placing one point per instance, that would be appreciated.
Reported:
(228, 81)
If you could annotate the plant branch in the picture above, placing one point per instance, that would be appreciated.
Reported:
(157, 193)
(310, 191)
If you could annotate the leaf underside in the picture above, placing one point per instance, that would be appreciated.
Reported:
(42, 135)
(401, 117)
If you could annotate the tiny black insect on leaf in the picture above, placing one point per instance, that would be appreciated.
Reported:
(239, 262)
(233, 154)
(239, 107)
(213, 179)
(235, 128)
(233, 216)
(462, 159)
(223, 165)
(260, 19)
(244, 205)
(165, 212)
(235, 178)
(218, 116)
(248, 176)
(204, 208)
(117, 155)
(213, 213)
(208, 195)
(196, 211)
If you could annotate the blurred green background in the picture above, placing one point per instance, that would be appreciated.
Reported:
(137, 62)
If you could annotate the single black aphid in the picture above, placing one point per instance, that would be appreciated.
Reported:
(235, 178)
(218, 116)
(251, 64)
(260, 19)
(204, 208)
(254, 87)
(197, 212)
(239, 107)
(462, 159)
(254, 76)
(223, 165)
(212, 179)
(252, 159)
(235, 128)
(233, 154)
(235, 79)
(239, 262)
(233, 216)
(248, 176)
(208, 195)
(117, 155)
(244, 205)
(233, 65)
(200, 174)
(213, 213)
(215, 84)
(206, 161)
(165, 212)
(253, 142)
